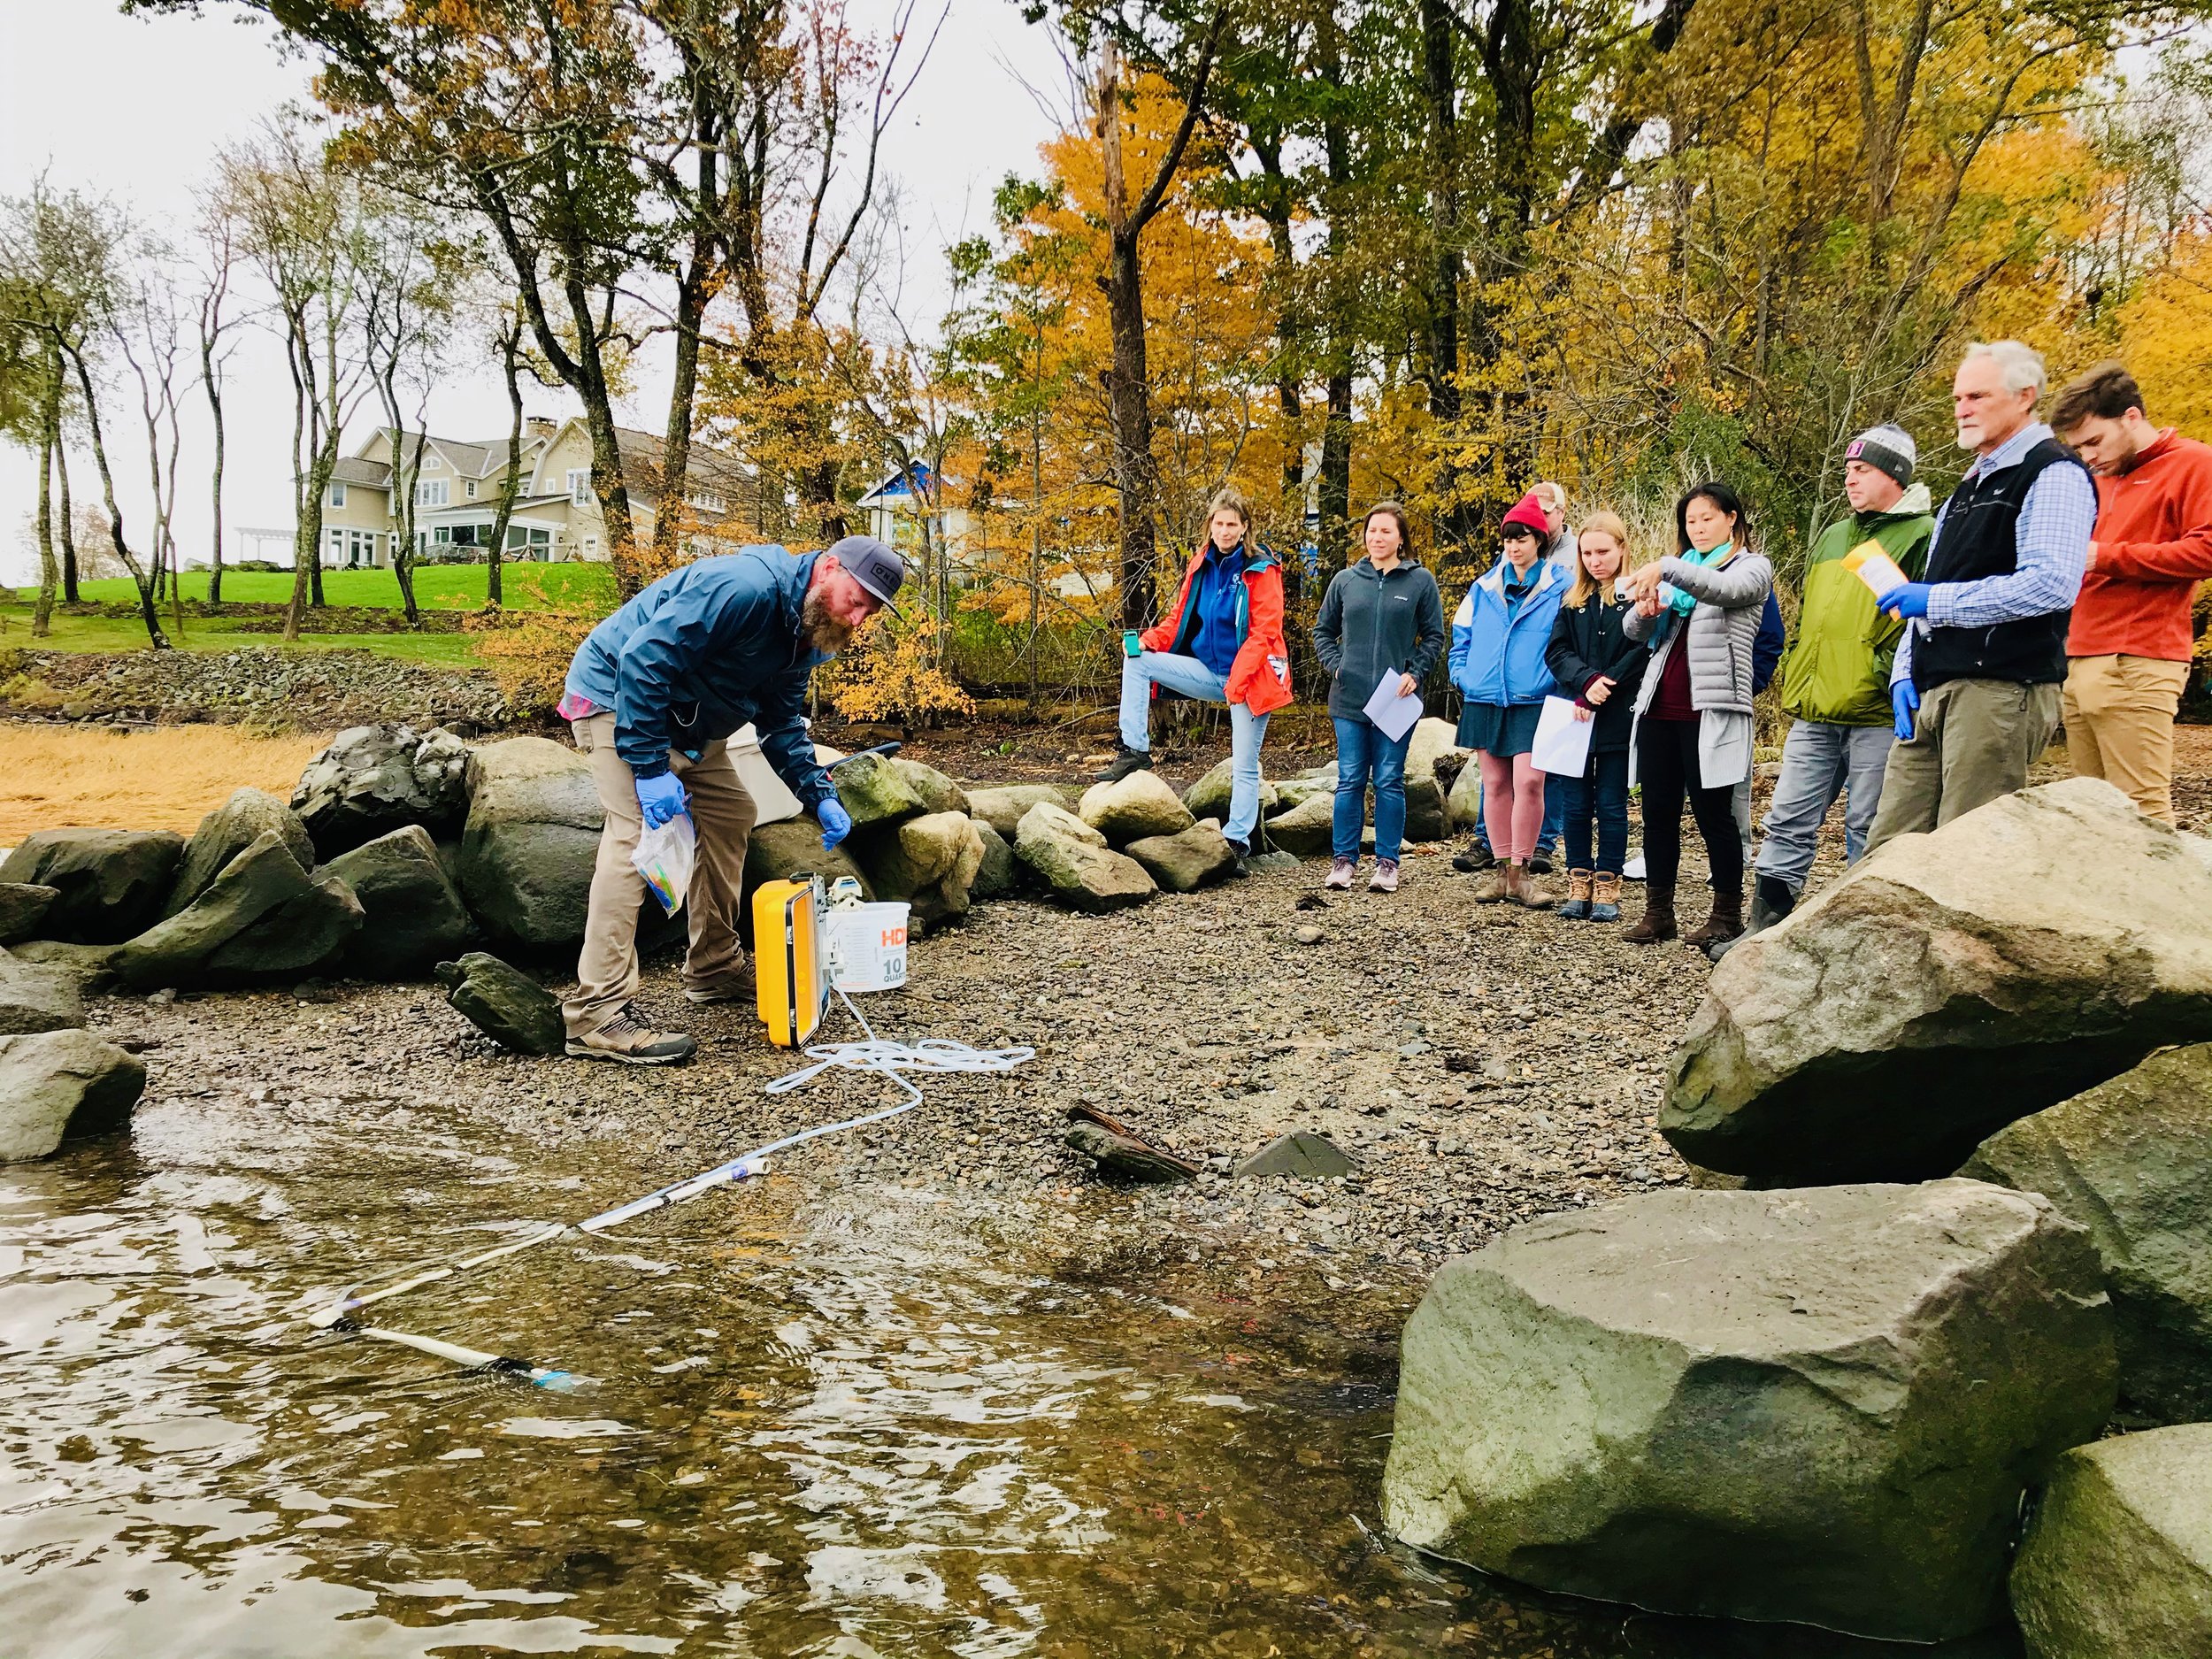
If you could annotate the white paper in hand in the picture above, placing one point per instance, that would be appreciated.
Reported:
(1391, 714)
(1875, 568)
(1563, 742)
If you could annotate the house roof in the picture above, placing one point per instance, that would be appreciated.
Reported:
(360, 470)
(708, 468)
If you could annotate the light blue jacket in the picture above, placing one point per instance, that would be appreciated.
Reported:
(1498, 657)
(702, 651)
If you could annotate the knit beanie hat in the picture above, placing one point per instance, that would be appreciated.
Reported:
(1886, 448)
(1529, 511)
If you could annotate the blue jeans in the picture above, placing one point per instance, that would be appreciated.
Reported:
(1363, 752)
(1192, 679)
(1599, 796)
(1819, 762)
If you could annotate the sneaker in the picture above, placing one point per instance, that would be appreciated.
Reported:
(1476, 857)
(740, 989)
(1242, 852)
(629, 1039)
(1539, 862)
(1385, 877)
(1339, 875)
(1126, 761)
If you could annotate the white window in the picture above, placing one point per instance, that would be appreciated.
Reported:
(430, 463)
(579, 485)
(337, 493)
(470, 489)
(433, 492)
(591, 547)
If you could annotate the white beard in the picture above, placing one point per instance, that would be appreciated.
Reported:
(1970, 437)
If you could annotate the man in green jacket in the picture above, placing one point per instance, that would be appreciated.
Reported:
(1835, 680)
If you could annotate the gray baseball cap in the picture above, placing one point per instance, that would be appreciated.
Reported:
(874, 566)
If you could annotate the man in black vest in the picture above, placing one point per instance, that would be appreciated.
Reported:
(1975, 683)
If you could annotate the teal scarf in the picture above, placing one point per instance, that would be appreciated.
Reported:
(1684, 603)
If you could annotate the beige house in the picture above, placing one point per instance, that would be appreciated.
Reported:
(556, 515)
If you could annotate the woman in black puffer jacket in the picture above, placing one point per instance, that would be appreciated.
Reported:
(1597, 663)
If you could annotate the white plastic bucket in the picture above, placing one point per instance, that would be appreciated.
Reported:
(866, 946)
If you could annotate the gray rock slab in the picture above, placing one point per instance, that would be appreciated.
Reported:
(411, 914)
(60, 1086)
(23, 909)
(1819, 1406)
(1001, 805)
(504, 1003)
(108, 883)
(38, 996)
(1135, 808)
(874, 790)
(1081, 875)
(1185, 861)
(1303, 1155)
(228, 831)
(373, 780)
(531, 840)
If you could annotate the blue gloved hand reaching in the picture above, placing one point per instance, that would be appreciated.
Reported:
(1904, 699)
(661, 799)
(1907, 599)
(835, 821)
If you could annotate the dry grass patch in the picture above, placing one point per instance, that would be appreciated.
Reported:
(100, 777)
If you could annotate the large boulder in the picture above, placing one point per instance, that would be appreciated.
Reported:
(531, 840)
(108, 883)
(508, 1006)
(2131, 1161)
(1045, 818)
(1001, 805)
(875, 790)
(1133, 808)
(412, 915)
(1435, 762)
(38, 996)
(1308, 829)
(372, 779)
(228, 831)
(57, 1086)
(1184, 863)
(178, 949)
(23, 909)
(793, 846)
(2117, 1561)
(1208, 798)
(994, 875)
(1082, 875)
(1819, 1406)
(936, 791)
(1462, 804)
(307, 934)
(1946, 986)
(930, 863)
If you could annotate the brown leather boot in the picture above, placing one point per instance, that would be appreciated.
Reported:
(1532, 894)
(1724, 924)
(1605, 897)
(1575, 905)
(1658, 919)
(1504, 882)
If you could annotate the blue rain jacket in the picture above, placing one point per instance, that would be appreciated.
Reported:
(702, 651)
(1497, 654)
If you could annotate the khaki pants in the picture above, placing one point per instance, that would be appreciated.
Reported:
(1973, 742)
(2119, 713)
(723, 813)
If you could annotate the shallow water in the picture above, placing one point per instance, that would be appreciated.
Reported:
(817, 1430)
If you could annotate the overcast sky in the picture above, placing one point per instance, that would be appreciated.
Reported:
(137, 108)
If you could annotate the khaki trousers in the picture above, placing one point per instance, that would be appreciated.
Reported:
(2119, 713)
(1973, 742)
(723, 813)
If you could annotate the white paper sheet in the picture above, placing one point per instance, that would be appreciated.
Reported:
(1563, 742)
(1393, 714)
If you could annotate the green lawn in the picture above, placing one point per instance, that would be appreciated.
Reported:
(220, 634)
(437, 587)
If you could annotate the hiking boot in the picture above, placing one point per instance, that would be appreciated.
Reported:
(1724, 925)
(1476, 857)
(1340, 876)
(1528, 892)
(631, 1041)
(1126, 761)
(1385, 877)
(1576, 906)
(1771, 901)
(1605, 897)
(1504, 881)
(1539, 862)
(738, 988)
(1241, 852)
(1658, 919)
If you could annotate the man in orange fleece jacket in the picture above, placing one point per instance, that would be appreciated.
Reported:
(2129, 646)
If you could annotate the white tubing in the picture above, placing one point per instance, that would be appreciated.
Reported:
(935, 1057)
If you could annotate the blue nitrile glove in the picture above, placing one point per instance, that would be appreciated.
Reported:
(661, 799)
(1908, 599)
(1904, 698)
(835, 821)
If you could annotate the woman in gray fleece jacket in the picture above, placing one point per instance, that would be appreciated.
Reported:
(1700, 609)
(1381, 616)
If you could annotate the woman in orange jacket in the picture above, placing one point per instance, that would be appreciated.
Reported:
(1222, 642)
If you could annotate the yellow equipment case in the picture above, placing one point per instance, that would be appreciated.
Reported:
(787, 967)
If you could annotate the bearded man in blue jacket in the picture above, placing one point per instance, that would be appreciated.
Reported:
(653, 697)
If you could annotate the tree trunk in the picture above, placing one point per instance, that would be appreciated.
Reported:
(1136, 471)
(215, 559)
(691, 309)
(510, 482)
(67, 517)
(1440, 79)
(159, 640)
(43, 613)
